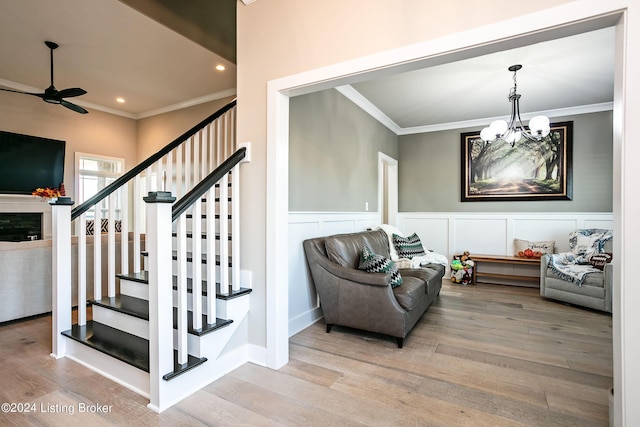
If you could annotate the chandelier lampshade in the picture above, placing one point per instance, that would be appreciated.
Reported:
(514, 130)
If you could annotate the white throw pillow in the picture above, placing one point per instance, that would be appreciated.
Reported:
(390, 230)
(545, 247)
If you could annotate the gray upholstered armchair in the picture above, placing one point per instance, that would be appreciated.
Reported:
(593, 292)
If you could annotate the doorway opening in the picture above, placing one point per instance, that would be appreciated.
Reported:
(388, 189)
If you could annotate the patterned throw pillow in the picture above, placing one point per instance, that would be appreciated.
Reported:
(408, 247)
(373, 263)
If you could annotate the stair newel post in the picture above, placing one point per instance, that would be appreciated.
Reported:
(61, 274)
(158, 241)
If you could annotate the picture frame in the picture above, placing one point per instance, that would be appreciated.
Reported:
(526, 171)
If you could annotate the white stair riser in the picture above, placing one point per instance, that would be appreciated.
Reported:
(124, 322)
(208, 345)
(203, 225)
(204, 245)
(141, 291)
(203, 271)
(130, 377)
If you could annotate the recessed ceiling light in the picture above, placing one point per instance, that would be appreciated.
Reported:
(120, 100)
(220, 67)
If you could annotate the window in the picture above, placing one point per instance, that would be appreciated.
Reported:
(94, 172)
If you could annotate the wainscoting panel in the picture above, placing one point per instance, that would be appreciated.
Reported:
(546, 229)
(304, 307)
(481, 235)
(492, 233)
(434, 233)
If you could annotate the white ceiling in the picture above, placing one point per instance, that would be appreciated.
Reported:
(562, 76)
(111, 50)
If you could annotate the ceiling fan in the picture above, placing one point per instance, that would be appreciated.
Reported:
(53, 95)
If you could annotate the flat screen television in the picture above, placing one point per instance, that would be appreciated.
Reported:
(29, 162)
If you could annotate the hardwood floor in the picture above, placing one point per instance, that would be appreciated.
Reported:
(480, 356)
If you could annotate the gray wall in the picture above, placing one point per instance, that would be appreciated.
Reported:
(429, 171)
(333, 154)
(333, 148)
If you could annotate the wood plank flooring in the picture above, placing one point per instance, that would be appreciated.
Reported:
(480, 356)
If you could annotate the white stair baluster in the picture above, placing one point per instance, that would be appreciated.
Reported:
(224, 235)
(187, 165)
(179, 172)
(196, 159)
(97, 252)
(235, 228)
(159, 175)
(111, 247)
(137, 215)
(169, 174)
(196, 264)
(204, 163)
(211, 255)
(181, 277)
(124, 229)
(82, 270)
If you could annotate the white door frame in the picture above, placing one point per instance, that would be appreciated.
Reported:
(388, 181)
(566, 19)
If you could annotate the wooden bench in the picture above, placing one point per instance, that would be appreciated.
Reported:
(503, 259)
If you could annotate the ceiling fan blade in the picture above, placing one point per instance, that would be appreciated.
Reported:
(73, 107)
(39, 95)
(71, 92)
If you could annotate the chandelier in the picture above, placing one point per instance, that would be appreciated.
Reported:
(514, 131)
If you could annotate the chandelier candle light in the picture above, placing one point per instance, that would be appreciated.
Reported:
(514, 131)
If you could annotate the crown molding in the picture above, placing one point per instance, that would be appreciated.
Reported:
(184, 104)
(356, 97)
(188, 103)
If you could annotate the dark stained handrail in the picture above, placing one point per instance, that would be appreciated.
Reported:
(203, 186)
(128, 176)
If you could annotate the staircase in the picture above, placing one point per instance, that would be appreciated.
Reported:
(163, 323)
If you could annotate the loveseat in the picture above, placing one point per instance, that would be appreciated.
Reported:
(358, 299)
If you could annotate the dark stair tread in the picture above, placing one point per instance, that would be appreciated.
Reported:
(206, 327)
(204, 216)
(217, 199)
(125, 347)
(143, 277)
(178, 369)
(190, 257)
(234, 294)
(139, 308)
(204, 235)
(121, 345)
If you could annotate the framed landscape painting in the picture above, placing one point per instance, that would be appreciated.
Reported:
(539, 170)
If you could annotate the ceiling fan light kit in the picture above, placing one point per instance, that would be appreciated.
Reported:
(515, 130)
(53, 95)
